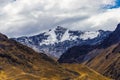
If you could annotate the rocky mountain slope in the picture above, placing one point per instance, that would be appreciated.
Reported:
(104, 58)
(55, 42)
(19, 62)
(108, 61)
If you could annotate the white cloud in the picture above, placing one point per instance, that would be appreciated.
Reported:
(24, 17)
(104, 19)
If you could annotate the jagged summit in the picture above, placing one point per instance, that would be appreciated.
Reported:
(60, 31)
(60, 28)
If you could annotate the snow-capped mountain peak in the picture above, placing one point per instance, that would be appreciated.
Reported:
(54, 35)
(57, 40)
(60, 34)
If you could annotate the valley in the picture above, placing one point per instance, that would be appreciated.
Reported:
(98, 61)
(19, 62)
(59, 39)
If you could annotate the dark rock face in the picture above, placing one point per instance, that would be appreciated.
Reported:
(113, 38)
(75, 54)
(60, 31)
(118, 28)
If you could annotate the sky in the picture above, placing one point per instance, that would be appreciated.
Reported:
(29, 17)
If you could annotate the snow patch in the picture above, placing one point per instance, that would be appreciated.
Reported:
(65, 36)
(89, 35)
(51, 39)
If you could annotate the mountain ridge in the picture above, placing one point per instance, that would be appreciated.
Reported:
(55, 42)
(19, 62)
(23, 63)
(104, 57)
(110, 56)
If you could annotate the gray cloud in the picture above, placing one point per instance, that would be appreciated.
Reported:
(28, 17)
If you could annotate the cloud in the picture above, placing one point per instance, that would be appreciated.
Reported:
(27, 17)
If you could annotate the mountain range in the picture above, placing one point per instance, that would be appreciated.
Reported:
(19, 62)
(103, 57)
(55, 42)
(82, 55)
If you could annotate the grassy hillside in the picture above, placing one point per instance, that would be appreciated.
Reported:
(108, 62)
(85, 72)
(18, 62)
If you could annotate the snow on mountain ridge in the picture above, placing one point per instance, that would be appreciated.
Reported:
(66, 36)
(56, 41)
(52, 39)
(89, 35)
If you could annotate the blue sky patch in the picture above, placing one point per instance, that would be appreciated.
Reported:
(117, 4)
